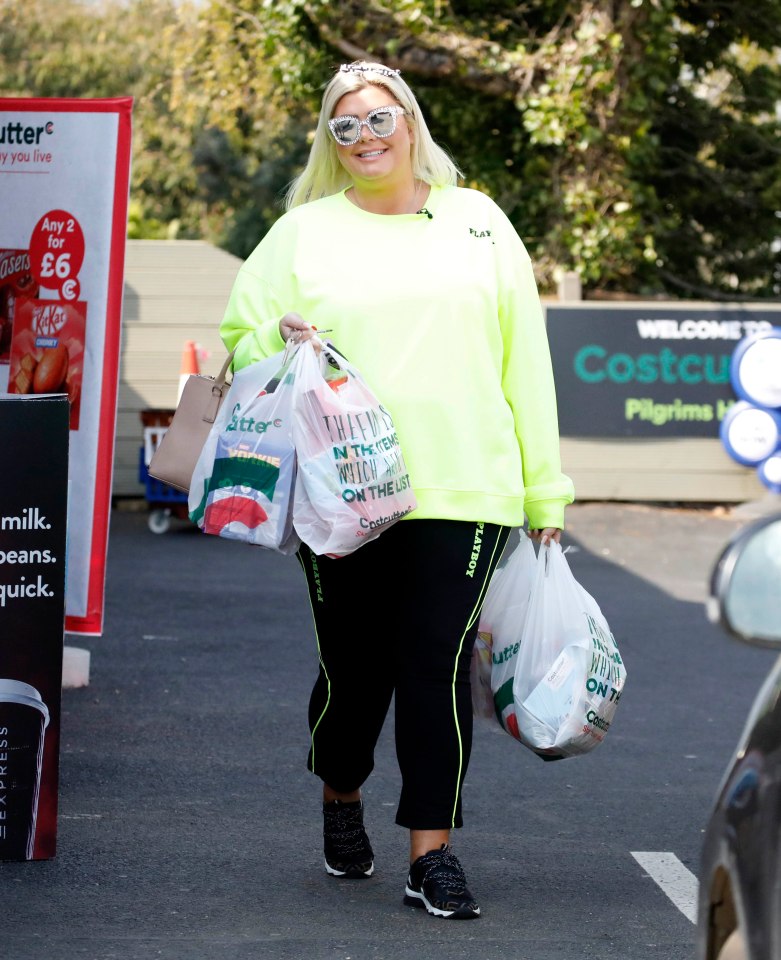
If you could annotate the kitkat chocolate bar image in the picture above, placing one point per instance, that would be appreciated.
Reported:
(15, 281)
(47, 350)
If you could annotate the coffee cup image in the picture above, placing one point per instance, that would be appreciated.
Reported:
(23, 721)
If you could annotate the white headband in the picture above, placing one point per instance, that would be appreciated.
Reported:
(362, 68)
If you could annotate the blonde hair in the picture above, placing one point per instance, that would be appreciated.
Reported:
(324, 175)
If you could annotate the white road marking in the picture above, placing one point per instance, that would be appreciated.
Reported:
(676, 881)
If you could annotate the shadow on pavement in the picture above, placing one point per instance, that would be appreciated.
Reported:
(190, 827)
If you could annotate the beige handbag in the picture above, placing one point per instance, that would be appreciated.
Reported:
(174, 459)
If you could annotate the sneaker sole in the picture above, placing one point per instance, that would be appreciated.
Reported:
(412, 898)
(355, 872)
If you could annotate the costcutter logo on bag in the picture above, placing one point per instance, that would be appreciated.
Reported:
(506, 654)
(250, 424)
(381, 521)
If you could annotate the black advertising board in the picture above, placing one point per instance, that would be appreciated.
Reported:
(647, 370)
(33, 512)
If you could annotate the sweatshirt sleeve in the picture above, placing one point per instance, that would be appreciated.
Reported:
(257, 302)
(527, 381)
(251, 321)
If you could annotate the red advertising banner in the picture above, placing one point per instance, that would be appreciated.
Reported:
(64, 178)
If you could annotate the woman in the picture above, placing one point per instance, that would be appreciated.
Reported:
(428, 290)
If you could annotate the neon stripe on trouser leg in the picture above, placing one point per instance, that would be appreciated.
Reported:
(472, 617)
(322, 667)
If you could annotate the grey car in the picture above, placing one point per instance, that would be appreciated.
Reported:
(739, 913)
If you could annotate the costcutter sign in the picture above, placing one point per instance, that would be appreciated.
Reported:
(647, 370)
(64, 173)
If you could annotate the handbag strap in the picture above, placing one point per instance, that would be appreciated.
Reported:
(223, 374)
(218, 388)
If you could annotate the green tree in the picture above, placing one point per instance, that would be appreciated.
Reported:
(77, 49)
(635, 141)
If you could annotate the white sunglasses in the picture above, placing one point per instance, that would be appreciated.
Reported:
(381, 122)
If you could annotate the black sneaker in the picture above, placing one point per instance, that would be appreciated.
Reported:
(437, 882)
(348, 852)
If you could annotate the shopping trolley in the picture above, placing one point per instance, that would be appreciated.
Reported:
(164, 500)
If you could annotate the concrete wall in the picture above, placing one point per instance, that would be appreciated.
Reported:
(174, 291)
(694, 470)
(177, 291)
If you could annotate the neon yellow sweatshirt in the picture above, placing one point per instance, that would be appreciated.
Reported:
(441, 315)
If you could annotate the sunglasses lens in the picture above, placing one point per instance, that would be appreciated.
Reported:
(345, 129)
(382, 122)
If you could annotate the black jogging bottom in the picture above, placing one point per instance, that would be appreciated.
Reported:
(399, 616)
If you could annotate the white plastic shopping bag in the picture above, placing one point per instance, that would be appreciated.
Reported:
(352, 480)
(568, 674)
(499, 636)
(242, 486)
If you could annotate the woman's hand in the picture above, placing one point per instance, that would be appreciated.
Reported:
(546, 535)
(293, 325)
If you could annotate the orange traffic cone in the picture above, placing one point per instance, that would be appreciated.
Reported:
(189, 366)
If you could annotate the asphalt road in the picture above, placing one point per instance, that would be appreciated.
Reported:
(190, 827)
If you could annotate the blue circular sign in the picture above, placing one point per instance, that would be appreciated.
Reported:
(769, 472)
(750, 434)
(755, 368)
